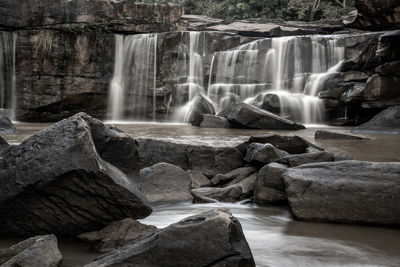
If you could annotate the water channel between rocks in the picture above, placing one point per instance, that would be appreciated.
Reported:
(274, 237)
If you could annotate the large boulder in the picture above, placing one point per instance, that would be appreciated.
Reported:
(164, 182)
(374, 15)
(387, 121)
(35, 251)
(213, 238)
(201, 105)
(116, 235)
(345, 191)
(243, 115)
(269, 187)
(207, 159)
(6, 126)
(57, 181)
(305, 158)
(381, 91)
(321, 134)
(120, 15)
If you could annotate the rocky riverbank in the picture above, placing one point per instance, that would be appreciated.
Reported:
(94, 186)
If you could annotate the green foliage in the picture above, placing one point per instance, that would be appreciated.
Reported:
(270, 9)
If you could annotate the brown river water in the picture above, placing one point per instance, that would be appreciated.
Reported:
(274, 237)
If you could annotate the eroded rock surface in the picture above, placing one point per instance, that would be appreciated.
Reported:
(213, 238)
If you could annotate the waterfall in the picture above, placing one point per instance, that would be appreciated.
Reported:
(283, 75)
(8, 102)
(132, 91)
(193, 85)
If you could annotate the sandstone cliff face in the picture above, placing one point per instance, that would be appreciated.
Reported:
(375, 15)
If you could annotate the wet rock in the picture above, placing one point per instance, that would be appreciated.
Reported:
(213, 238)
(164, 182)
(230, 193)
(374, 15)
(345, 191)
(291, 144)
(58, 181)
(35, 251)
(381, 91)
(201, 105)
(320, 134)
(261, 154)
(207, 159)
(390, 68)
(198, 179)
(117, 234)
(300, 159)
(269, 187)
(248, 116)
(353, 94)
(233, 176)
(6, 126)
(387, 121)
(210, 121)
(388, 46)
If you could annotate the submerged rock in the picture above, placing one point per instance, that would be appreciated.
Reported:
(300, 159)
(117, 234)
(269, 187)
(387, 121)
(213, 238)
(6, 126)
(320, 134)
(233, 192)
(41, 251)
(247, 116)
(164, 182)
(57, 182)
(345, 191)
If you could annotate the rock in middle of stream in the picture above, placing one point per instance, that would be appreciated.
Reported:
(57, 182)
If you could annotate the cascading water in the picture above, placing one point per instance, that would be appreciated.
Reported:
(8, 101)
(133, 86)
(294, 70)
(193, 85)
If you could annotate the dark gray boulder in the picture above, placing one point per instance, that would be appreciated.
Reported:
(3, 144)
(211, 121)
(201, 105)
(164, 182)
(389, 68)
(261, 154)
(381, 91)
(6, 126)
(35, 251)
(300, 159)
(387, 121)
(116, 235)
(232, 192)
(57, 182)
(198, 179)
(269, 187)
(291, 144)
(345, 191)
(243, 115)
(207, 159)
(213, 238)
(320, 134)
